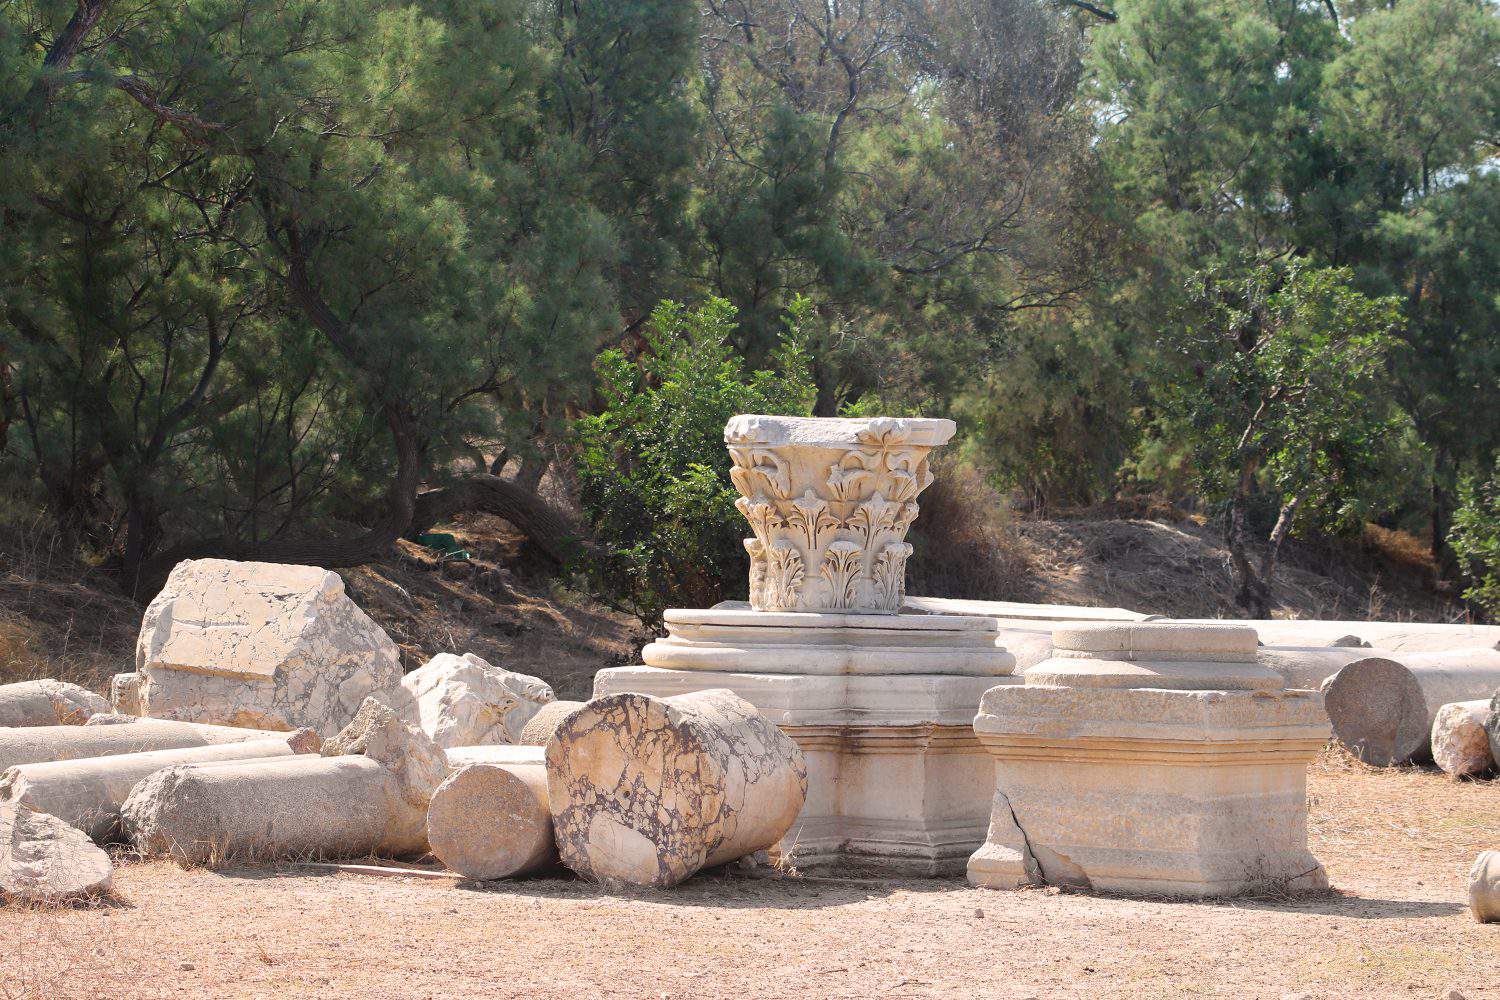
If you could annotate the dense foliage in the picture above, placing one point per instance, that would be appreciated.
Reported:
(272, 274)
(650, 463)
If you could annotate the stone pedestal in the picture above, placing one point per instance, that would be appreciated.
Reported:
(1150, 759)
(881, 706)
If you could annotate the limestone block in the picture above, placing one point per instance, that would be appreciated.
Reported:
(88, 793)
(540, 727)
(647, 791)
(34, 744)
(1394, 637)
(466, 701)
(495, 753)
(259, 644)
(47, 703)
(1018, 611)
(829, 501)
(43, 859)
(1460, 745)
(491, 820)
(1377, 708)
(125, 693)
(1492, 726)
(376, 732)
(1484, 887)
(299, 807)
(1150, 758)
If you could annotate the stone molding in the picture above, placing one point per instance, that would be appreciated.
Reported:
(829, 501)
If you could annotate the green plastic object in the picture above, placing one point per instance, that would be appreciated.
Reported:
(445, 545)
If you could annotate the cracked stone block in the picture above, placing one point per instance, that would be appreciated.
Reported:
(43, 859)
(467, 701)
(48, 703)
(407, 752)
(261, 645)
(1460, 744)
(1150, 759)
(646, 791)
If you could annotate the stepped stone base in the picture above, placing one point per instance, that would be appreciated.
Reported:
(881, 706)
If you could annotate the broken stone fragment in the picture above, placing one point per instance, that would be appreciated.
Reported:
(88, 793)
(48, 703)
(540, 727)
(646, 791)
(376, 732)
(1484, 887)
(257, 644)
(1460, 744)
(491, 820)
(34, 744)
(466, 701)
(43, 859)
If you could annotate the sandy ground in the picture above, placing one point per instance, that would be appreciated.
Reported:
(1397, 846)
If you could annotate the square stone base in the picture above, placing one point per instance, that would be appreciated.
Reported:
(1174, 793)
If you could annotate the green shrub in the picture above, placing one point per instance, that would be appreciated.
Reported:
(1476, 539)
(653, 470)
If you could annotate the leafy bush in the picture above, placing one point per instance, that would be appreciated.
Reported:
(653, 471)
(1476, 539)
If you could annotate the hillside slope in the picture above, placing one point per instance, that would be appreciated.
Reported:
(61, 618)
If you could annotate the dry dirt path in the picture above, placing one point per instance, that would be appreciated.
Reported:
(1396, 844)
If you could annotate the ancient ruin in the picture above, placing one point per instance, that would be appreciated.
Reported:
(1484, 887)
(262, 645)
(48, 703)
(881, 702)
(490, 820)
(1150, 758)
(466, 701)
(646, 791)
(44, 860)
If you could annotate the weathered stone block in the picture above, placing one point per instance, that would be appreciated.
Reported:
(259, 644)
(48, 703)
(466, 701)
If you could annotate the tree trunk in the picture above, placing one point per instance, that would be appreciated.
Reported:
(551, 530)
(1250, 591)
(1442, 516)
(1278, 535)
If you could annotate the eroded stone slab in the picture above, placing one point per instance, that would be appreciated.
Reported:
(48, 703)
(258, 644)
(467, 701)
(43, 859)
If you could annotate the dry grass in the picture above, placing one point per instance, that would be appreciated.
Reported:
(965, 543)
(58, 616)
(1181, 569)
(1397, 845)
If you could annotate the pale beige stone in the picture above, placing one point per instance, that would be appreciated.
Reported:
(1460, 745)
(466, 701)
(540, 727)
(829, 501)
(48, 703)
(301, 807)
(1377, 708)
(647, 791)
(43, 859)
(882, 707)
(88, 793)
(491, 820)
(259, 644)
(1484, 887)
(496, 753)
(1045, 614)
(407, 752)
(1158, 759)
(1394, 637)
(125, 693)
(34, 744)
